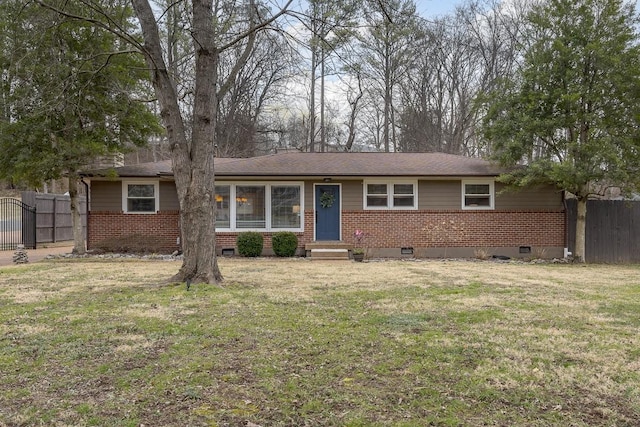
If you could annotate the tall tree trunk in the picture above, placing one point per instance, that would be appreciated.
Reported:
(196, 188)
(312, 102)
(323, 141)
(353, 114)
(79, 246)
(192, 160)
(387, 89)
(581, 226)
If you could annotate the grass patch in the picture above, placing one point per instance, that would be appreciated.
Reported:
(291, 342)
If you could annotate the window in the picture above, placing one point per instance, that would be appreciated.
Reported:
(140, 197)
(285, 206)
(401, 195)
(477, 194)
(259, 206)
(223, 208)
(250, 206)
(377, 195)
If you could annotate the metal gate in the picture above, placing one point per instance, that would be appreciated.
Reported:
(17, 224)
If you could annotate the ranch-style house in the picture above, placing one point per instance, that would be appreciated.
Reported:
(406, 204)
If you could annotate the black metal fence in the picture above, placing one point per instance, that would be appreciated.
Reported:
(17, 224)
(612, 230)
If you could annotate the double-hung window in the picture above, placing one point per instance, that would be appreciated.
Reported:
(140, 197)
(377, 195)
(258, 206)
(477, 194)
(390, 195)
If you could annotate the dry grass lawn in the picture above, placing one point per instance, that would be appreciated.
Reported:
(295, 343)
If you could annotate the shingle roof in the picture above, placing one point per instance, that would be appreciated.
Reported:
(331, 164)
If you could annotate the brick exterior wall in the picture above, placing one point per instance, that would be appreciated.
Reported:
(383, 229)
(115, 230)
(469, 229)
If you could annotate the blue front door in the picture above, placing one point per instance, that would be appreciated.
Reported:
(327, 210)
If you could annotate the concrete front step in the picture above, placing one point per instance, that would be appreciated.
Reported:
(325, 251)
(334, 254)
(329, 244)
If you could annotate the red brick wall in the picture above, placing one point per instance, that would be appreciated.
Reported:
(428, 229)
(419, 229)
(383, 229)
(158, 232)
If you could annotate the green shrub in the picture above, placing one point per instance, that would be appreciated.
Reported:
(250, 243)
(284, 243)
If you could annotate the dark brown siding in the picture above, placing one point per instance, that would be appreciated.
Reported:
(106, 196)
(447, 195)
(545, 198)
(432, 195)
(352, 195)
(308, 195)
(437, 195)
(168, 196)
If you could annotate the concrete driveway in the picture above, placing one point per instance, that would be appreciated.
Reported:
(6, 257)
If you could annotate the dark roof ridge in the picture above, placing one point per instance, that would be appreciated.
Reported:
(329, 164)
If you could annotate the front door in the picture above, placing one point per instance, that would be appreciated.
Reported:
(327, 210)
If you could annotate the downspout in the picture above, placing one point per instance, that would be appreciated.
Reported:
(567, 254)
(86, 211)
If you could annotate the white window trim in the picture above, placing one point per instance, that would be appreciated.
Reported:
(492, 194)
(125, 193)
(267, 184)
(389, 183)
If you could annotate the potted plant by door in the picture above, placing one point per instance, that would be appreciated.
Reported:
(358, 254)
(358, 251)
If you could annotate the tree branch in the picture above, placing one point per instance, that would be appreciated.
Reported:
(116, 29)
(256, 28)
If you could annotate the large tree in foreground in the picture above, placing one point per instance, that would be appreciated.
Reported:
(571, 114)
(193, 147)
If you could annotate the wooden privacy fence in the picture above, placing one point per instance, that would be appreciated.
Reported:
(612, 230)
(53, 216)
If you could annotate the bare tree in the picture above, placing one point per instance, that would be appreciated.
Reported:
(261, 80)
(462, 56)
(193, 155)
(330, 24)
(387, 50)
(353, 98)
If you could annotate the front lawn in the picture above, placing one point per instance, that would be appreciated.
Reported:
(299, 343)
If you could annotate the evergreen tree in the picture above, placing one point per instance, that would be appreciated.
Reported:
(572, 114)
(68, 96)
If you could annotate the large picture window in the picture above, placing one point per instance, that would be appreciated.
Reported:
(257, 206)
(140, 197)
(477, 195)
(390, 195)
